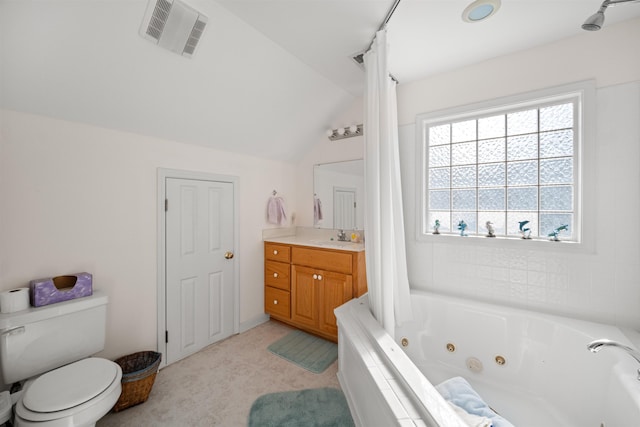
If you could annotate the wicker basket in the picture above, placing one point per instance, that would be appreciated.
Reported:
(138, 374)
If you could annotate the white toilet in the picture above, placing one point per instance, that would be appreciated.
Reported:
(50, 347)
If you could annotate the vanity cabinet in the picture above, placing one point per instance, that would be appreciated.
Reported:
(277, 267)
(303, 287)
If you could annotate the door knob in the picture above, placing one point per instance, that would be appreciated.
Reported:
(228, 255)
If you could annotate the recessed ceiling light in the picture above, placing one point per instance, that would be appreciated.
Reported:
(480, 10)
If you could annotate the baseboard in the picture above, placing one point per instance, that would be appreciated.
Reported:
(252, 323)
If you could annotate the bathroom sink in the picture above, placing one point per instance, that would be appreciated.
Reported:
(336, 244)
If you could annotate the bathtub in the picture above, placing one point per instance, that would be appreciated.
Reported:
(532, 368)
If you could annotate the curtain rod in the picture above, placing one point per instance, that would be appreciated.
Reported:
(359, 58)
(386, 20)
(389, 14)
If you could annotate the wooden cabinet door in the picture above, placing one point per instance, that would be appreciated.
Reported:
(334, 290)
(276, 302)
(304, 295)
(276, 274)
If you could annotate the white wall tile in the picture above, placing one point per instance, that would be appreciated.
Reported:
(536, 278)
(517, 276)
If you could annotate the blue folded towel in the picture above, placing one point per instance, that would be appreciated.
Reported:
(458, 391)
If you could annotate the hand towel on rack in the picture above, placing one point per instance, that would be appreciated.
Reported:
(275, 211)
(317, 210)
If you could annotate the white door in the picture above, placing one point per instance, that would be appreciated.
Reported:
(344, 208)
(200, 294)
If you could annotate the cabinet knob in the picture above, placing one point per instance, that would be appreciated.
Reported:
(319, 277)
(275, 302)
(275, 274)
(275, 252)
(315, 276)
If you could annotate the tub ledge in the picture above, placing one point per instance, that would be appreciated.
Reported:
(382, 386)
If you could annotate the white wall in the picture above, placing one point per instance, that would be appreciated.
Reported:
(603, 285)
(610, 56)
(81, 198)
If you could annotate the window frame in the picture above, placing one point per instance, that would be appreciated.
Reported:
(583, 159)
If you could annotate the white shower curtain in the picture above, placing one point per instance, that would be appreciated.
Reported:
(387, 278)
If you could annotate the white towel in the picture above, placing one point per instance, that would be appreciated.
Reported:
(317, 210)
(275, 211)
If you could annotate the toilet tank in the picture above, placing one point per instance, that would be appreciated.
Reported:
(37, 340)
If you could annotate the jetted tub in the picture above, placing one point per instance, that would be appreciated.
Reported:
(534, 369)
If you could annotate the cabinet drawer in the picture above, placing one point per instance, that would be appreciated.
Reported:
(277, 274)
(326, 260)
(276, 302)
(277, 252)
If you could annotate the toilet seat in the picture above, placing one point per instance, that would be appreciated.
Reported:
(92, 386)
(81, 381)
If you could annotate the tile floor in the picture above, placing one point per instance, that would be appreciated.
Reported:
(216, 386)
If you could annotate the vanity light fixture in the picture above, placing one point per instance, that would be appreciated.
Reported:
(479, 10)
(345, 132)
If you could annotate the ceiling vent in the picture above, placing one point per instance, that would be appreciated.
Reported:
(173, 25)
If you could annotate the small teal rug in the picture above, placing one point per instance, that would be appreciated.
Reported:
(305, 350)
(317, 407)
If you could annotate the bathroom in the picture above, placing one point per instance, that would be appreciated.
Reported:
(78, 161)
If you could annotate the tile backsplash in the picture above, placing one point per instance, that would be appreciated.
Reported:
(576, 285)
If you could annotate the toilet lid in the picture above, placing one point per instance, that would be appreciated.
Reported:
(70, 385)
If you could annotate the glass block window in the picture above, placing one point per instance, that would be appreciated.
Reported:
(514, 167)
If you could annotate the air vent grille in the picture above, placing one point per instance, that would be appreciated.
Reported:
(159, 19)
(194, 37)
(173, 25)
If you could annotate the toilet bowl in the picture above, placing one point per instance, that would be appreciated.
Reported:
(49, 348)
(78, 394)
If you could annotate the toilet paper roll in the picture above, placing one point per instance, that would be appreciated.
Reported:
(14, 300)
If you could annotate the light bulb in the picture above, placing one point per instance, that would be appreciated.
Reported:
(329, 133)
(340, 131)
(353, 129)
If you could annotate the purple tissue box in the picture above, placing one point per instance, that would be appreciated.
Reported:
(61, 288)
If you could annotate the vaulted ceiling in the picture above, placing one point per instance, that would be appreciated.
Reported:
(426, 37)
(268, 77)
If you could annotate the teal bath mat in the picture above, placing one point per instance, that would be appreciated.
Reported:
(318, 407)
(305, 350)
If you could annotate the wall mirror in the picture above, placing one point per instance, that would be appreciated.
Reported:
(339, 195)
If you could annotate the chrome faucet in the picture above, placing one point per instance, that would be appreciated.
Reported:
(342, 236)
(596, 346)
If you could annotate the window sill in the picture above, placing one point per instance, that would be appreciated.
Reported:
(562, 246)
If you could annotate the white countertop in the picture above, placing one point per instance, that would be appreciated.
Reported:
(317, 243)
